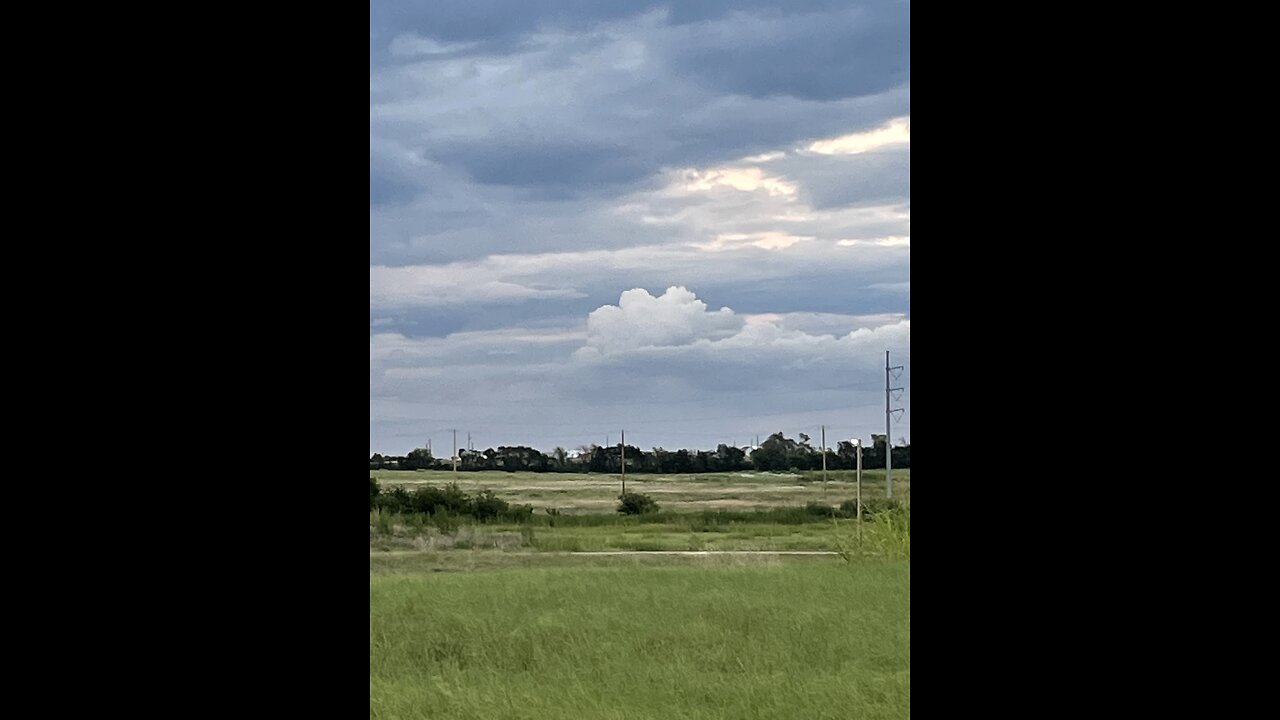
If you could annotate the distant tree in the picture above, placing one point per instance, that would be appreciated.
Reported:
(702, 461)
(583, 459)
(805, 456)
(775, 453)
(876, 457)
(902, 456)
(599, 460)
(731, 458)
(472, 460)
(418, 459)
(520, 457)
(846, 454)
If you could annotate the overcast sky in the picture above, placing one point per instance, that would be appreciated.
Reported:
(690, 221)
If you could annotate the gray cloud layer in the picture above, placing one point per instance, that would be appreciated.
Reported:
(530, 162)
(668, 367)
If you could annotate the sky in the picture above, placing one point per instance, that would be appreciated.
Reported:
(688, 221)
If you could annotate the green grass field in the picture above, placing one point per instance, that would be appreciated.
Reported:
(490, 635)
(589, 521)
(595, 493)
(624, 534)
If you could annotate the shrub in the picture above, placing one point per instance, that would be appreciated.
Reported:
(455, 500)
(382, 522)
(427, 499)
(879, 506)
(527, 536)
(373, 491)
(819, 509)
(519, 513)
(448, 524)
(487, 505)
(396, 500)
(636, 504)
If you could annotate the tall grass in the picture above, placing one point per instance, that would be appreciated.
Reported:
(783, 640)
(887, 535)
(778, 529)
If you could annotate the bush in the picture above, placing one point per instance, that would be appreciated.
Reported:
(636, 504)
(819, 509)
(427, 499)
(382, 521)
(879, 506)
(444, 507)
(487, 505)
(396, 500)
(448, 524)
(519, 513)
(455, 500)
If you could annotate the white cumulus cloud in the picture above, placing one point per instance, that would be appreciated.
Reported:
(676, 317)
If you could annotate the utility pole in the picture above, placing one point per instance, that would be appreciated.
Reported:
(624, 463)
(468, 440)
(455, 456)
(859, 442)
(888, 416)
(824, 463)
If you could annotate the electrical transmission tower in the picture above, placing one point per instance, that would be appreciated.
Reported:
(889, 410)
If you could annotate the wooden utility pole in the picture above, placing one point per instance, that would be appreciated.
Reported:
(455, 456)
(824, 463)
(624, 463)
(859, 441)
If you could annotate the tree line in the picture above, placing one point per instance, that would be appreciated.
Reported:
(777, 453)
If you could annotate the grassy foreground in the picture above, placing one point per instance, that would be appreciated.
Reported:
(620, 639)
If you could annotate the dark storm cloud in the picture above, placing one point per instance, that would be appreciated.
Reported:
(819, 56)
(585, 110)
(554, 168)
(489, 20)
